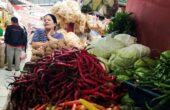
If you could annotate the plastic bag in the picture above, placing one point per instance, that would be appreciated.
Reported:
(104, 47)
(23, 55)
(126, 39)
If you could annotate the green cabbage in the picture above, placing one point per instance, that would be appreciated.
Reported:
(104, 63)
(126, 57)
(125, 39)
(104, 47)
(145, 62)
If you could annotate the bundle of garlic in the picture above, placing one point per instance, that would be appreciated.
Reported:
(94, 23)
(72, 40)
(68, 11)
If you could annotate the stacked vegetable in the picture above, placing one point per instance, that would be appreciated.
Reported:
(66, 74)
(122, 23)
(159, 75)
(68, 11)
(105, 8)
(119, 53)
(157, 79)
(80, 104)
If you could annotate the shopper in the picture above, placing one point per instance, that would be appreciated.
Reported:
(15, 40)
(49, 33)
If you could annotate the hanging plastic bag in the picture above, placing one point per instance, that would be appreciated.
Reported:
(23, 55)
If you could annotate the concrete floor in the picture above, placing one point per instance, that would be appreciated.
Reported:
(6, 78)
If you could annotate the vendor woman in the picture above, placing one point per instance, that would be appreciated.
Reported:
(41, 36)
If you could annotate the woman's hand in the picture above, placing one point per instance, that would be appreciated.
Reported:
(39, 44)
(49, 35)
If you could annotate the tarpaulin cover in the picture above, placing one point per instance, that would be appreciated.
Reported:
(17, 7)
(153, 20)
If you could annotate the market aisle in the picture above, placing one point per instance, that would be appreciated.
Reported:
(7, 76)
(5, 79)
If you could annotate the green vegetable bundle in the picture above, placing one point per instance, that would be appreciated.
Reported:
(157, 78)
(122, 23)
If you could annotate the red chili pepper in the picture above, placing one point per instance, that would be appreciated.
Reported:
(89, 90)
(100, 94)
(76, 95)
(42, 107)
(74, 107)
(71, 103)
(55, 96)
(36, 107)
(66, 74)
(58, 108)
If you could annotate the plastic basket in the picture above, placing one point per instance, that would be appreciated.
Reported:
(143, 96)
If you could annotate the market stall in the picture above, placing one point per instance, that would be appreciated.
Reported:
(114, 70)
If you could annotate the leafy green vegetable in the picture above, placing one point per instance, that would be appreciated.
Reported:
(143, 69)
(103, 8)
(86, 2)
(87, 8)
(104, 63)
(122, 77)
(165, 54)
(126, 100)
(122, 71)
(127, 56)
(96, 4)
(158, 79)
(145, 62)
(122, 23)
(125, 39)
(104, 47)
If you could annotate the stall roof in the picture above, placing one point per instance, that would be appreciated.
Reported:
(17, 7)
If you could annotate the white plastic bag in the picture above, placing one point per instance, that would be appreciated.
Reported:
(126, 39)
(23, 55)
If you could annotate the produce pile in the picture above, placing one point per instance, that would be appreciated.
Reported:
(69, 12)
(105, 8)
(156, 78)
(70, 40)
(122, 22)
(159, 74)
(80, 104)
(118, 53)
(65, 74)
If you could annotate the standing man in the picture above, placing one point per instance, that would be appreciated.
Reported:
(15, 40)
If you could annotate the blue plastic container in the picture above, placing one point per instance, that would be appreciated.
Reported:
(142, 96)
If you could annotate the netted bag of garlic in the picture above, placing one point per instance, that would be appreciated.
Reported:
(68, 9)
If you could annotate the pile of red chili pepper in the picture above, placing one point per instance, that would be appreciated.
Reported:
(65, 74)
